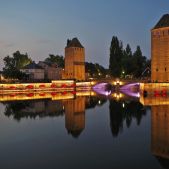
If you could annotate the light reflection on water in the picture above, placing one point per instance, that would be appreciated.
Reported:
(84, 131)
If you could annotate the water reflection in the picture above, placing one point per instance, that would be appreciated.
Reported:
(160, 133)
(75, 116)
(73, 109)
(33, 109)
(124, 112)
(159, 127)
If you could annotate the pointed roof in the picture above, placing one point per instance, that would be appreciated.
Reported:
(74, 43)
(163, 22)
(32, 65)
(75, 133)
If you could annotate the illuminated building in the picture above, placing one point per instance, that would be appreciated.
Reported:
(74, 60)
(160, 50)
(34, 71)
(52, 71)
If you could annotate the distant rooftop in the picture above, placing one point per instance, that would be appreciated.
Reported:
(74, 43)
(49, 63)
(163, 22)
(32, 65)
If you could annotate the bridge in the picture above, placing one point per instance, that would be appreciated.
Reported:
(114, 81)
(60, 89)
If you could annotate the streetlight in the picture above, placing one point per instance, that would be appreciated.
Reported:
(123, 73)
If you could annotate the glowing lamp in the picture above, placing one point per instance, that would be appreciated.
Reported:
(30, 94)
(41, 94)
(42, 86)
(12, 95)
(29, 86)
(53, 86)
(63, 85)
(64, 92)
(53, 93)
(74, 92)
(12, 87)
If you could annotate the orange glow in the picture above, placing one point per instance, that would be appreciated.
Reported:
(42, 86)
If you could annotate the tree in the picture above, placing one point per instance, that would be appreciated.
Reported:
(14, 64)
(21, 60)
(139, 62)
(124, 62)
(116, 54)
(127, 60)
(58, 59)
(95, 70)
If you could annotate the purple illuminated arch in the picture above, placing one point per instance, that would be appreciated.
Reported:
(106, 89)
(131, 89)
(101, 88)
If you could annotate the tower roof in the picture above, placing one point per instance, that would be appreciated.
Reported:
(74, 43)
(163, 22)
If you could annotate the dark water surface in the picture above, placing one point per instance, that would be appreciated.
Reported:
(83, 133)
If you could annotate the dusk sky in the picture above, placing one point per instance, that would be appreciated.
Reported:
(41, 27)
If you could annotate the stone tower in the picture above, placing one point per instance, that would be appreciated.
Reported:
(160, 50)
(74, 60)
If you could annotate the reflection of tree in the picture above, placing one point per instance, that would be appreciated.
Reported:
(121, 112)
(92, 102)
(33, 109)
(42, 108)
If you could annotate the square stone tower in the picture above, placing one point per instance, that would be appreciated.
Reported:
(74, 60)
(160, 50)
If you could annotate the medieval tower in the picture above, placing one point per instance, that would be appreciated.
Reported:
(74, 60)
(160, 50)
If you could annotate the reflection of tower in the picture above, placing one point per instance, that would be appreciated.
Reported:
(75, 116)
(160, 133)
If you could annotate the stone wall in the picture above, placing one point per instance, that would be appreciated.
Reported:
(160, 55)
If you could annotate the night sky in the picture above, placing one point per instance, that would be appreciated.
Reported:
(42, 27)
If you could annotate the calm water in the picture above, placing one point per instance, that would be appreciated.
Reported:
(83, 133)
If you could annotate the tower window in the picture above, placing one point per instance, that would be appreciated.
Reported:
(157, 70)
(165, 69)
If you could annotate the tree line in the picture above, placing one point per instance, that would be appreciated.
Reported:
(123, 62)
(13, 64)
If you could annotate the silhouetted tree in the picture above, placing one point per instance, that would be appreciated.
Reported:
(27, 109)
(127, 67)
(14, 64)
(58, 59)
(116, 54)
(116, 117)
(120, 114)
(95, 70)
(123, 62)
